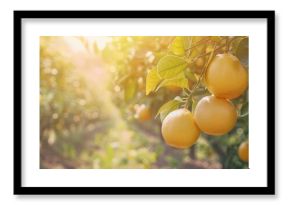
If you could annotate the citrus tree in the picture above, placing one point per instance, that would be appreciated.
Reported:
(212, 71)
(196, 85)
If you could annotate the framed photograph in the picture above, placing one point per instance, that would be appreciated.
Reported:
(144, 102)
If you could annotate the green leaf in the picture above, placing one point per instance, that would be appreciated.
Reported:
(169, 66)
(187, 43)
(177, 46)
(180, 45)
(235, 43)
(197, 47)
(152, 80)
(179, 81)
(168, 107)
(242, 51)
(193, 105)
(130, 89)
(244, 110)
(190, 75)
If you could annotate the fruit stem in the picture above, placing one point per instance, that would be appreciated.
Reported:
(187, 103)
(205, 40)
(208, 53)
(227, 44)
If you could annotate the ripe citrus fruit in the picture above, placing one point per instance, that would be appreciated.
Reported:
(215, 116)
(179, 129)
(243, 151)
(143, 113)
(226, 77)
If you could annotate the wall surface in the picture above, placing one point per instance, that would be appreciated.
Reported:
(282, 99)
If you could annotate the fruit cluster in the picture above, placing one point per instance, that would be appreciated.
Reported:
(215, 115)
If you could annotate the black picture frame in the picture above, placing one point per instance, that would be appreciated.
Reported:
(268, 190)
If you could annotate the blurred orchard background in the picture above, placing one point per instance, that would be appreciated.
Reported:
(92, 93)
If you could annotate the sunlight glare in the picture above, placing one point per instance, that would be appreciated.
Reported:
(100, 40)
